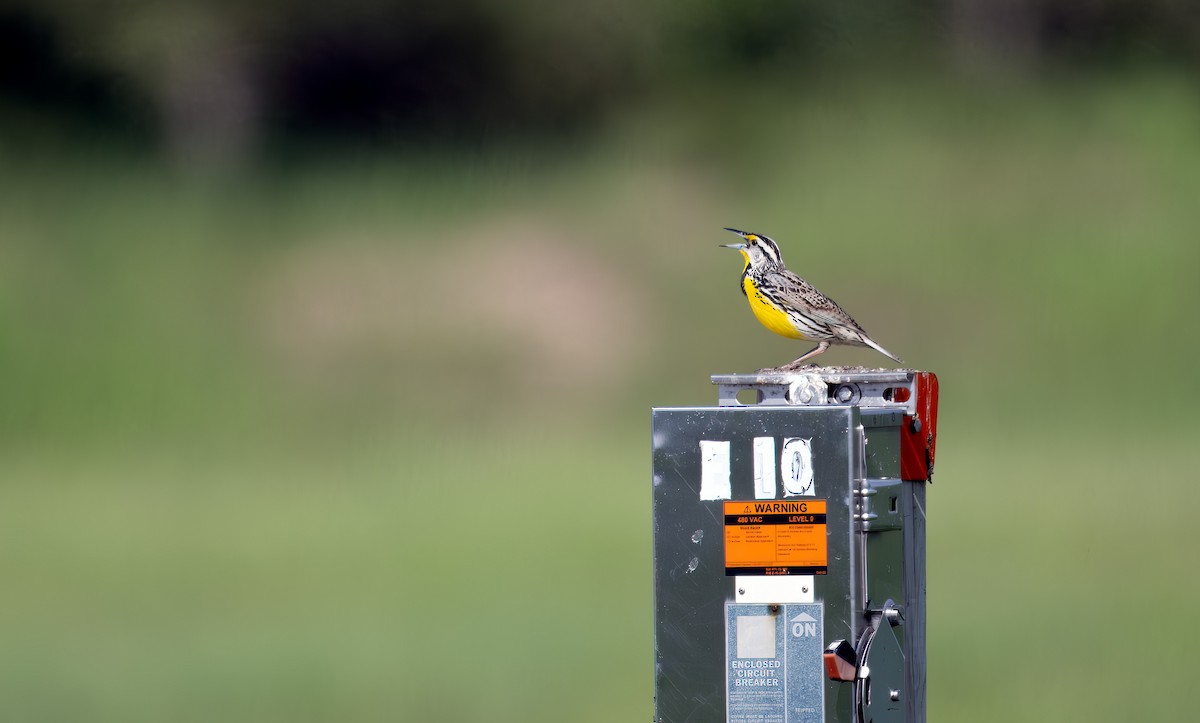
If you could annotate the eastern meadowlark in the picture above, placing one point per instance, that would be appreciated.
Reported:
(790, 306)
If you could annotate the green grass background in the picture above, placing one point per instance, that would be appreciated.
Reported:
(365, 435)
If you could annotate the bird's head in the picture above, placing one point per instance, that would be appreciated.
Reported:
(759, 251)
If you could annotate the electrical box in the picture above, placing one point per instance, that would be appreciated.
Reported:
(789, 548)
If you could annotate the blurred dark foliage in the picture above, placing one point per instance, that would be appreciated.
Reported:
(223, 78)
(37, 71)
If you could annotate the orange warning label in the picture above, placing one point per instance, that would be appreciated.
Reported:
(776, 537)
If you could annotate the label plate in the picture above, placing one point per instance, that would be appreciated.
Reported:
(784, 537)
(773, 663)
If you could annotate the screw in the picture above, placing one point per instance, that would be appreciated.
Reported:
(741, 591)
(894, 694)
(803, 589)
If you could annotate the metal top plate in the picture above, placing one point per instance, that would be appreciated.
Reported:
(813, 385)
(834, 375)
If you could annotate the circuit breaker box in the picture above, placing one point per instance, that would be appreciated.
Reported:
(789, 548)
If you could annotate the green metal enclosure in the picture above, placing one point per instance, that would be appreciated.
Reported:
(789, 549)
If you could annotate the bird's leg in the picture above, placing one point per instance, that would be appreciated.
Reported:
(793, 366)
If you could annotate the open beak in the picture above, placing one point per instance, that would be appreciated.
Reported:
(739, 247)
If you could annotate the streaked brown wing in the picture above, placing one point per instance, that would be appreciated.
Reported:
(804, 297)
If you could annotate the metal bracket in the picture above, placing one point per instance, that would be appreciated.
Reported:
(881, 672)
(860, 386)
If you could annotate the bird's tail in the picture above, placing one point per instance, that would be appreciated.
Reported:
(880, 349)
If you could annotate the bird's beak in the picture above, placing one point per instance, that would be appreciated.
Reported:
(739, 247)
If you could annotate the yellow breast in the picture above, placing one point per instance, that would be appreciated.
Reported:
(768, 314)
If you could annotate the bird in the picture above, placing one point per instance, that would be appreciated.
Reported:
(790, 306)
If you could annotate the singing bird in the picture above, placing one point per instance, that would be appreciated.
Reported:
(790, 306)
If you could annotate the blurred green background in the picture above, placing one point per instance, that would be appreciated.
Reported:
(329, 337)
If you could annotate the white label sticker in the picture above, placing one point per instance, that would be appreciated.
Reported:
(756, 636)
(714, 470)
(764, 468)
(774, 588)
(795, 466)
